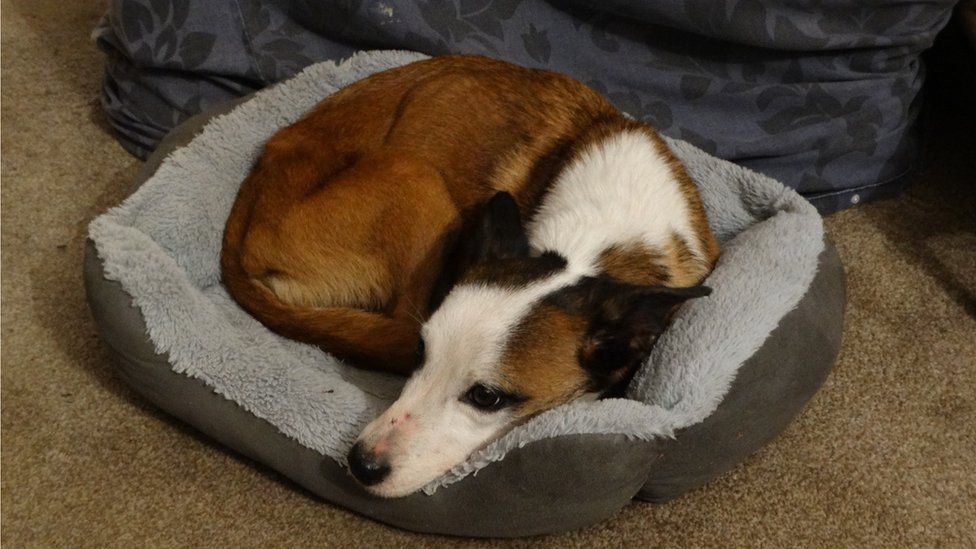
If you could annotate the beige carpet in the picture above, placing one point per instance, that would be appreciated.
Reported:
(884, 456)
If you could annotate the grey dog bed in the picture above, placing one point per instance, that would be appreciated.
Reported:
(726, 377)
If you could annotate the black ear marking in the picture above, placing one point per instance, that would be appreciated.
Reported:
(499, 233)
(613, 301)
(492, 241)
(680, 295)
(625, 321)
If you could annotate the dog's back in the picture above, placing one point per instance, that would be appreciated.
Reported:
(340, 233)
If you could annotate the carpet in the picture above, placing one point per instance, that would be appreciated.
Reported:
(884, 455)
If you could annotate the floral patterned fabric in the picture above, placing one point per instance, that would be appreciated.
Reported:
(820, 95)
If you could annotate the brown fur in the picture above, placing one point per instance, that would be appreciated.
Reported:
(339, 235)
(635, 263)
(340, 232)
(699, 221)
(541, 364)
(675, 265)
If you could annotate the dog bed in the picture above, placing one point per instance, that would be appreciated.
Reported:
(724, 379)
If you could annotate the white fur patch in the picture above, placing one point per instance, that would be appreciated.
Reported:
(619, 191)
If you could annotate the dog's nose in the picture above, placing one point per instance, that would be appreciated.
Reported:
(367, 467)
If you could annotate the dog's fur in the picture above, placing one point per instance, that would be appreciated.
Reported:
(405, 194)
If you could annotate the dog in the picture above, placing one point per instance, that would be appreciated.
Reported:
(505, 232)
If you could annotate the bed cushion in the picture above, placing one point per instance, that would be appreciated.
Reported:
(727, 376)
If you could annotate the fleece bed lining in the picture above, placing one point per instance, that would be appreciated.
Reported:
(162, 245)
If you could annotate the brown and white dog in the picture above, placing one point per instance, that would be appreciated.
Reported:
(355, 217)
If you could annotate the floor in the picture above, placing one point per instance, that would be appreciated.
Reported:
(884, 455)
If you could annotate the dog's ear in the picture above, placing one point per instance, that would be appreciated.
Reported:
(498, 233)
(494, 232)
(624, 324)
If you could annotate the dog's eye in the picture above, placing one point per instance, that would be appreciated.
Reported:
(485, 398)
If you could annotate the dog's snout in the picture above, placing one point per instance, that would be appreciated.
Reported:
(366, 466)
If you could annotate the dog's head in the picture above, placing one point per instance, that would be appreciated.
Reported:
(518, 334)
